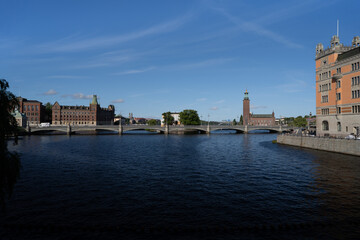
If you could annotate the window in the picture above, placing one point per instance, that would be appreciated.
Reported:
(338, 70)
(355, 81)
(338, 110)
(355, 94)
(28, 107)
(325, 99)
(338, 84)
(338, 96)
(339, 126)
(325, 126)
(356, 109)
(325, 111)
(32, 107)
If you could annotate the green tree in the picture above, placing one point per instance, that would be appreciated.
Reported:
(9, 162)
(241, 120)
(189, 117)
(168, 119)
(48, 111)
(152, 122)
(234, 122)
(299, 121)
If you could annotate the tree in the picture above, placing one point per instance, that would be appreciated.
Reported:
(241, 120)
(48, 111)
(299, 121)
(234, 122)
(152, 122)
(189, 117)
(168, 119)
(9, 162)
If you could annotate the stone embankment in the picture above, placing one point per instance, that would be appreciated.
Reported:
(344, 146)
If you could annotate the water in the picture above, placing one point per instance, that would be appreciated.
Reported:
(195, 186)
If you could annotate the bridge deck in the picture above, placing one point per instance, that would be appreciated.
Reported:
(168, 129)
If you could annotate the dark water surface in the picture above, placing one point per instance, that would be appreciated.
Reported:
(214, 187)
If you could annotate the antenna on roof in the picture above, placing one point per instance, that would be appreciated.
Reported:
(337, 32)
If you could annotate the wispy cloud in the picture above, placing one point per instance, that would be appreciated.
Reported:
(64, 77)
(214, 108)
(118, 101)
(201, 99)
(134, 71)
(199, 64)
(256, 28)
(257, 107)
(293, 86)
(50, 92)
(78, 96)
(71, 44)
(220, 101)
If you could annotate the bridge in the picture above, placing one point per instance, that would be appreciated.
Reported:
(120, 129)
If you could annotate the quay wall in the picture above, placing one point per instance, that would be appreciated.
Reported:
(344, 146)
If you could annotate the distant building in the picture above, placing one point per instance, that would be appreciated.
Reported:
(83, 115)
(338, 88)
(255, 119)
(20, 118)
(33, 110)
(176, 117)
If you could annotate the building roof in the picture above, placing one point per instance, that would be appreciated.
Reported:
(261, 115)
(348, 54)
(18, 114)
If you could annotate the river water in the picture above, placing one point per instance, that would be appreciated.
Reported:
(217, 186)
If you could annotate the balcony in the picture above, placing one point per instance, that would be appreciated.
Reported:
(337, 76)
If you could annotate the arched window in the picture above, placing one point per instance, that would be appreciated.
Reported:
(325, 126)
(339, 126)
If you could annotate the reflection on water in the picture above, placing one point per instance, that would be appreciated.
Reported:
(9, 173)
(194, 185)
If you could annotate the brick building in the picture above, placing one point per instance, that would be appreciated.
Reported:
(338, 88)
(83, 115)
(255, 119)
(33, 110)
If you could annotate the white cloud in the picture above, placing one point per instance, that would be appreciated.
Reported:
(51, 92)
(201, 99)
(220, 101)
(214, 108)
(118, 101)
(135, 71)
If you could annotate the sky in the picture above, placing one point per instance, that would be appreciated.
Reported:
(149, 57)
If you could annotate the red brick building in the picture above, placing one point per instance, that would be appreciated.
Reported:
(83, 115)
(33, 110)
(255, 119)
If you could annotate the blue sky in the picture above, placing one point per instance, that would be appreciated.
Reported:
(149, 57)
